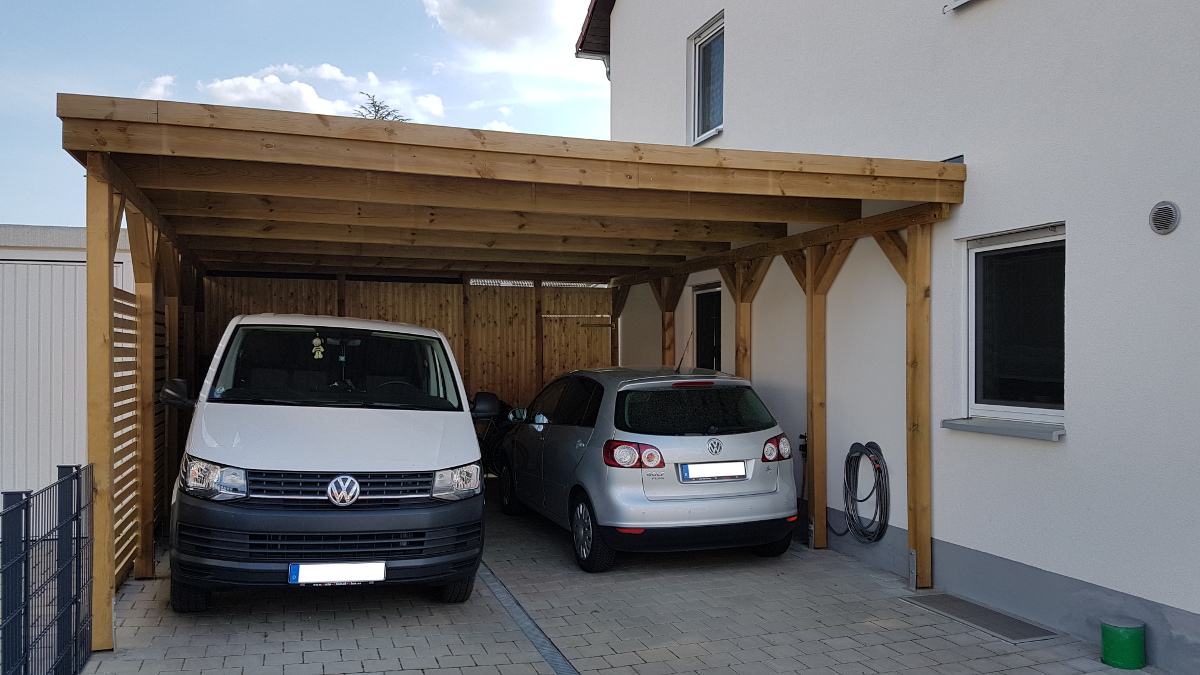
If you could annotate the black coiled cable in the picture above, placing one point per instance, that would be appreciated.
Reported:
(873, 530)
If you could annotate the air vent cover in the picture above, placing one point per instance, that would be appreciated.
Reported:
(1164, 217)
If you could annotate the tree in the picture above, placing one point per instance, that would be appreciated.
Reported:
(374, 109)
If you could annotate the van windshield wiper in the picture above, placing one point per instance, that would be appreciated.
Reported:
(259, 400)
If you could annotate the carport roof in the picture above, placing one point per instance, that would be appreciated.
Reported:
(247, 189)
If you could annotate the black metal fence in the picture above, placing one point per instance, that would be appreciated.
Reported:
(46, 577)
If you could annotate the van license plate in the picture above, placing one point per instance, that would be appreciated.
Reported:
(713, 471)
(336, 573)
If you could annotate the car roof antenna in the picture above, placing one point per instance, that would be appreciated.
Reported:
(684, 354)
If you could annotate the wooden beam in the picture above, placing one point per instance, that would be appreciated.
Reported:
(260, 178)
(289, 148)
(539, 332)
(831, 264)
(667, 292)
(799, 267)
(443, 219)
(100, 397)
(468, 323)
(918, 415)
(415, 272)
(862, 227)
(896, 250)
(143, 244)
(743, 279)
(815, 306)
(619, 297)
(273, 229)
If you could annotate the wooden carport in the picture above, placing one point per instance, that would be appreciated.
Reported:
(207, 189)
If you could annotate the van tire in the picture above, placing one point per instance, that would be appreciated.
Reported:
(592, 553)
(773, 549)
(509, 504)
(187, 598)
(458, 591)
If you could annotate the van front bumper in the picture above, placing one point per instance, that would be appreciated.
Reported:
(220, 545)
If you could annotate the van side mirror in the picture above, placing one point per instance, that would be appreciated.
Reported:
(175, 393)
(517, 415)
(486, 406)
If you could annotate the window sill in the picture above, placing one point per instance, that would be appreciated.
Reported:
(708, 134)
(985, 425)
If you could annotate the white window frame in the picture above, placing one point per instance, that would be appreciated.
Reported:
(1040, 235)
(715, 26)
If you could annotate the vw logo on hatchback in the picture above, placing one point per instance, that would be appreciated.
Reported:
(714, 446)
(342, 491)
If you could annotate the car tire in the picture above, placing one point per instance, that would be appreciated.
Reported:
(592, 553)
(186, 598)
(509, 504)
(775, 548)
(458, 591)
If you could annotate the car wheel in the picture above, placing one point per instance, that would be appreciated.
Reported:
(508, 493)
(458, 591)
(775, 548)
(592, 553)
(187, 598)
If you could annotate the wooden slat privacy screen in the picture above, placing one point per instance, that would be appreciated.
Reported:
(125, 432)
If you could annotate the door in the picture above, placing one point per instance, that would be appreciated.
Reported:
(567, 440)
(527, 442)
(708, 329)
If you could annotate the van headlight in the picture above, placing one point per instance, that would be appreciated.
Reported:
(212, 481)
(460, 482)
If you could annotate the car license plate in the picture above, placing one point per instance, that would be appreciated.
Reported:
(713, 471)
(336, 573)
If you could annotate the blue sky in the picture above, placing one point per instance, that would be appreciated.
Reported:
(493, 64)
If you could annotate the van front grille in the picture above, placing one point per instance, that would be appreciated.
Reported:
(308, 488)
(331, 546)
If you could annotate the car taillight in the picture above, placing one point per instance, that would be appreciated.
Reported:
(777, 448)
(626, 455)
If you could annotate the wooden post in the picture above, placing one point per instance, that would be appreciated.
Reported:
(466, 330)
(101, 242)
(539, 336)
(620, 295)
(341, 295)
(816, 470)
(920, 532)
(667, 292)
(743, 279)
(143, 241)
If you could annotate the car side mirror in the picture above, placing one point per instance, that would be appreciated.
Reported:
(517, 415)
(540, 419)
(175, 393)
(486, 406)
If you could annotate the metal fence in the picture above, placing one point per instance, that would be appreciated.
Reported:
(46, 577)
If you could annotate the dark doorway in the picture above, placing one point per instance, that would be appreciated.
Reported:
(708, 328)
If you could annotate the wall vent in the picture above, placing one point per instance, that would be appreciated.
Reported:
(1164, 217)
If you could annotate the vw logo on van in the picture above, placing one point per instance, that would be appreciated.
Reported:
(342, 491)
(714, 446)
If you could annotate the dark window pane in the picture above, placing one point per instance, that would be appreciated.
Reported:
(683, 411)
(594, 400)
(573, 403)
(708, 330)
(712, 84)
(546, 402)
(1019, 326)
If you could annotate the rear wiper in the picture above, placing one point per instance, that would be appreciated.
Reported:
(729, 430)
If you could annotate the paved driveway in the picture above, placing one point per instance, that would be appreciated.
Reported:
(716, 613)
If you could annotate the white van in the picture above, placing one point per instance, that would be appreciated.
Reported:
(327, 451)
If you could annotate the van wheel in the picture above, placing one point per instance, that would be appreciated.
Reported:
(592, 553)
(458, 591)
(187, 598)
(775, 548)
(508, 493)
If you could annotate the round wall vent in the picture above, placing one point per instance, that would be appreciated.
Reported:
(1164, 217)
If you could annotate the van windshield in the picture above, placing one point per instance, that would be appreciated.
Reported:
(341, 367)
(692, 411)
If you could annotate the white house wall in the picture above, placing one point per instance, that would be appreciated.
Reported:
(1081, 111)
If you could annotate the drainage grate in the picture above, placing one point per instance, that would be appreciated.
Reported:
(1003, 626)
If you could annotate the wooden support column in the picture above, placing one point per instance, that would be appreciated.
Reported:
(539, 335)
(466, 333)
(620, 295)
(667, 292)
(743, 279)
(341, 295)
(101, 245)
(143, 241)
(920, 531)
(815, 471)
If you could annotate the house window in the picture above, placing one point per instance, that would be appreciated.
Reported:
(708, 79)
(1016, 325)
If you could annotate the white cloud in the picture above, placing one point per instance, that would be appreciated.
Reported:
(505, 110)
(158, 89)
(271, 92)
(497, 125)
(432, 103)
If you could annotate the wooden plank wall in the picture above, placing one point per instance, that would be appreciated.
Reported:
(125, 433)
(227, 297)
(502, 357)
(163, 477)
(576, 328)
(437, 306)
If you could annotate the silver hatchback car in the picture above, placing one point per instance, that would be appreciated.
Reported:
(651, 460)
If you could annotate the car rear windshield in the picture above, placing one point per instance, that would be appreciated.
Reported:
(692, 411)
(335, 367)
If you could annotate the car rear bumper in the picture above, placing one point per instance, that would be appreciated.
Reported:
(215, 545)
(662, 539)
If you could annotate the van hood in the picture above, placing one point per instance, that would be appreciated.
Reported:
(295, 438)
